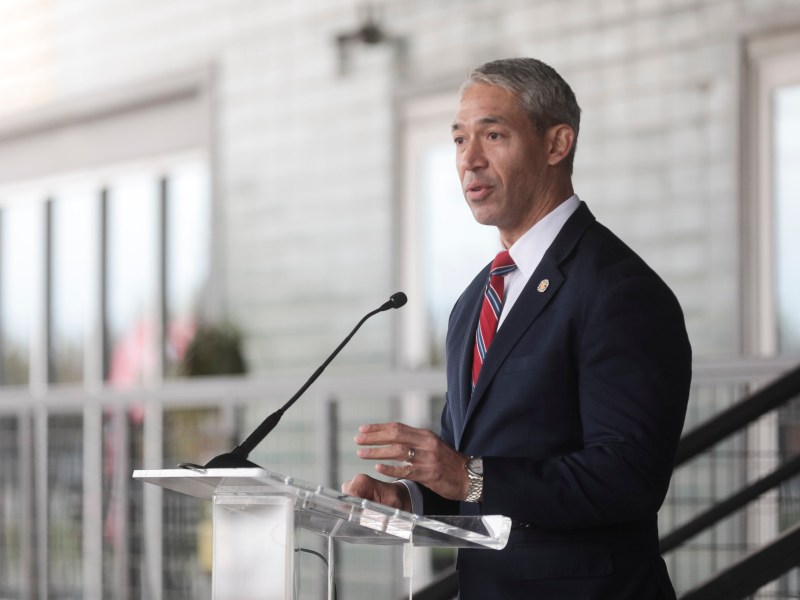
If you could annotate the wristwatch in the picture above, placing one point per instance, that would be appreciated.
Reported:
(474, 467)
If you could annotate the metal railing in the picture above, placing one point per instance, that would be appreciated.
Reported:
(74, 525)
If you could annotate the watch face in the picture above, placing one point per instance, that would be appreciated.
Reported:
(475, 465)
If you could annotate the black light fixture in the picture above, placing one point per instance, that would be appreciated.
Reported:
(369, 33)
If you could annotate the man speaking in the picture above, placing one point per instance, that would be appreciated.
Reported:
(568, 370)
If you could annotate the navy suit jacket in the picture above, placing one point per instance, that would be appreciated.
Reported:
(577, 413)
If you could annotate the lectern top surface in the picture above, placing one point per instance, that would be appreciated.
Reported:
(332, 513)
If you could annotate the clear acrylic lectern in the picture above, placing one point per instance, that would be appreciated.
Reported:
(257, 513)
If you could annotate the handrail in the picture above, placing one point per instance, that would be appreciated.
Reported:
(727, 507)
(753, 572)
(738, 416)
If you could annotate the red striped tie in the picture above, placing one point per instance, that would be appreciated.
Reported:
(492, 306)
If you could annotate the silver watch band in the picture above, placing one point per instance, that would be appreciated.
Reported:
(474, 468)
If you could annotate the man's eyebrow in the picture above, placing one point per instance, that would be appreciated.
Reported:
(489, 120)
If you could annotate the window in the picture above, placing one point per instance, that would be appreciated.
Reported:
(132, 234)
(772, 195)
(74, 248)
(187, 257)
(20, 274)
(786, 198)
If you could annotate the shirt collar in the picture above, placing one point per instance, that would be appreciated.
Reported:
(529, 249)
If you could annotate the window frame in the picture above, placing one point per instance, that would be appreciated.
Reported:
(769, 61)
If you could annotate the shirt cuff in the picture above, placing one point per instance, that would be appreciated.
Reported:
(416, 495)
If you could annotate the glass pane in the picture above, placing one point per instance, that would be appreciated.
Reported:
(456, 247)
(786, 128)
(188, 256)
(132, 271)
(74, 249)
(20, 268)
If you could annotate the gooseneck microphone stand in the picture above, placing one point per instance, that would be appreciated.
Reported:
(238, 457)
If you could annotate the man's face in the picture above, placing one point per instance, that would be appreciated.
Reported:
(501, 160)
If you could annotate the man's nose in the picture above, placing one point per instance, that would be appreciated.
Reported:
(472, 156)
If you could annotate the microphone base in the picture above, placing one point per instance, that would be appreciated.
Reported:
(229, 460)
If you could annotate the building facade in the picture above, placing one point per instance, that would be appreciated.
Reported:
(285, 166)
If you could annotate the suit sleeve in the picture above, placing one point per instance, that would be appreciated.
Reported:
(634, 368)
(433, 503)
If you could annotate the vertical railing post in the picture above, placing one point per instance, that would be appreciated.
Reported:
(119, 510)
(92, 500)
(328, 461)
(41, 500)
(27, 516)
(152, 577)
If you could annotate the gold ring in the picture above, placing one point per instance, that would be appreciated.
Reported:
(411, 454)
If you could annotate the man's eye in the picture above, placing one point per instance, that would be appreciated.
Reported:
(494, 135)
(458, 141)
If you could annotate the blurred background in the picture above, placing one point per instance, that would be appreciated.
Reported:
(200, 198)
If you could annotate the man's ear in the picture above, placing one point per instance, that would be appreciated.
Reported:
(561, 138)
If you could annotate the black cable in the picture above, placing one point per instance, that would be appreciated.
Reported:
(323, 559)
(315, 553)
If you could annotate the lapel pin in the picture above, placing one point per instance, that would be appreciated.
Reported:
(543, 285)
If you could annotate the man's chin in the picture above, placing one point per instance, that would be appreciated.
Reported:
(487, 220)
(482, 214)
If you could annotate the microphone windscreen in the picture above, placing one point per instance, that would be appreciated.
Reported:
(399, 299)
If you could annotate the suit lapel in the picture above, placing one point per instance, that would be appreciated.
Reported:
(474, 299)
(525, 311)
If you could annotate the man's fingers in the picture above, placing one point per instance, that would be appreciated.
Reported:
(401, 436)
(392, 452)
(387, 433)
(361, 485)
(399, 471)
(390, 494)
(392, 428)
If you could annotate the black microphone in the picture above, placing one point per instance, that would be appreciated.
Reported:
(237, 458)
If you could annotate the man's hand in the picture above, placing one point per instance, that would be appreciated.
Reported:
(391, 494)
(426, 458)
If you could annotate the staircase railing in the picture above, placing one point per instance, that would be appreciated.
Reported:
(772, 560)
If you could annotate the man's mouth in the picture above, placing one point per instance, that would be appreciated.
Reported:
(477, 191)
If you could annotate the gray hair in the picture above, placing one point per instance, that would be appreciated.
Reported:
(544, 95)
